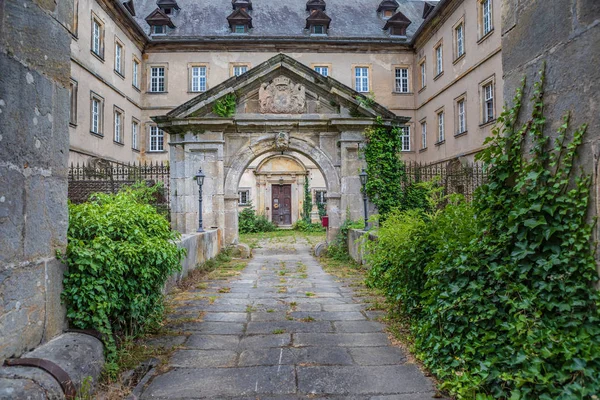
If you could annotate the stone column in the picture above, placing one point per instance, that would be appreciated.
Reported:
(335, 215)
(351, 164)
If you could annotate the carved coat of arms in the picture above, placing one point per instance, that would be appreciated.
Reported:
(282, 96)
(282, 141)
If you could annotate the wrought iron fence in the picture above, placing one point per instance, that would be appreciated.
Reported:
(456, 177)
(109, 177)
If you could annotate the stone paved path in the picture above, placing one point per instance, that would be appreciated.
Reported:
(286, 330)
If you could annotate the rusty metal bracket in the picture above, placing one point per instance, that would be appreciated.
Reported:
(57, 373)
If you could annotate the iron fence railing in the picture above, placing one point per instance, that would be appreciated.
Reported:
(109, 177)
(455, 177)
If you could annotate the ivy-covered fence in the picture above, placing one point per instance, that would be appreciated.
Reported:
(454, 176)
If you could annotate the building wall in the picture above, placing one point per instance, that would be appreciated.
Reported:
(566, 35)
(34, 144)
(460, 76)
(98, 75)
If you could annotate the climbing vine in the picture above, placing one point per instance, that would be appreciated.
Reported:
(307, 206)
(225, 107)
(501, 292)
(384, 167)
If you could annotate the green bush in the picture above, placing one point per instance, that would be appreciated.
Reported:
(501, 292)
(120, 253)
(303, 226)
(249, 222)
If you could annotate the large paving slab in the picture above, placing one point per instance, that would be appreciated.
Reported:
(282, 330)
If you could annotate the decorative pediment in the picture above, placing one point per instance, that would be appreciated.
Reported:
(243, 4)
(167, 4)
(318, 18)
(279, 86)
(159, 18)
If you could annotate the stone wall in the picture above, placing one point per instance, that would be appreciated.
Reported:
(565, 34)
(356, 242)
(34, 145)
(200, 247)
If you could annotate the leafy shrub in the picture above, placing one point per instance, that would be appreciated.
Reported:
(303, 226)
(225, 107)
(501, 292)
(249, 222)
(120, 253)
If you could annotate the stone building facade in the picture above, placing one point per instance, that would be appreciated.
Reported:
(436, 63)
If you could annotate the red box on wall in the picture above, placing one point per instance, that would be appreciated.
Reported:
(325, 221)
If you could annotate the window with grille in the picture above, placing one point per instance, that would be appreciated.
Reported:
(423, 75)
(402, 80)
(322, 70)
(96, 113)
(157, 139)
(318, 29)
(159, 30)
(486, 17)
(439, 60)
(240, 29)
(361, 75)
(423, 135)
(157, 79)
(320, 196)
(136, 74)
(119, 64)
(459, 36)
(198, 79)
(405, 138)
(97, 38)
(244, 197)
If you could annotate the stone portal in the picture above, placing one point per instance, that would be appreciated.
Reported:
(282, 107)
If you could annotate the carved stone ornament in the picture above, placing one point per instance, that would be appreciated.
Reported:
(282, 141)
(282, 96)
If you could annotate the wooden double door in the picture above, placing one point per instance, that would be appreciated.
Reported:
(282, 204)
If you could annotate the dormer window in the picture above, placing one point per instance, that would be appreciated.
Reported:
(318, 23)
(387, 8)
(240, 21)
(315, 5)
(159, 21)
(397, 24)
(245, 5)
(168, 6)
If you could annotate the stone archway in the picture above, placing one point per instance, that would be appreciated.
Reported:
(281, 105)
(248, 154)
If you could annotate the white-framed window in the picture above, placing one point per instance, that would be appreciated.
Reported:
(323, 70)
(486, 16)
(158, 30)
(439, 60)
(97, 46)
(157, 79)
(157, 139)
(459, 38)
(135, 134)
(239, 29)
(239, 70)
(96, 113)
(361, 79)
(244, 197)
(136, 74)
(119, 59)
(461, 116)
(423, 68)
(118, 125)
(320, 196)
(73, 88)
(423, 135)
(488, 102)
(402, 80)
(405, 138)
(198, 83)
(441, 132)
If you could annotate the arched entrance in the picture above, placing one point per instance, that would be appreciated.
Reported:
(281, 106)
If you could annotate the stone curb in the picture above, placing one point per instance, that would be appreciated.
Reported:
(81, 356)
